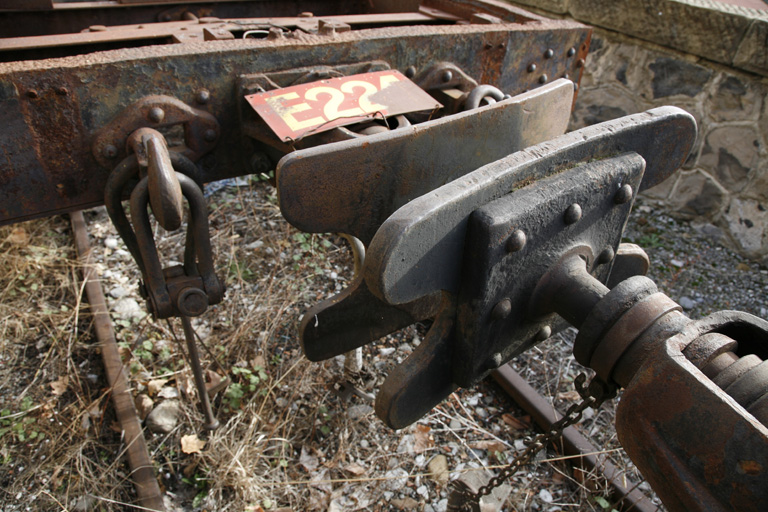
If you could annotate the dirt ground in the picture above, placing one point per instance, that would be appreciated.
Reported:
(288, 440)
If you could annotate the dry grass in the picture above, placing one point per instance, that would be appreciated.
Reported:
(286, 440)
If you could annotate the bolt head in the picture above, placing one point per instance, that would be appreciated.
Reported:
(571, 52)
(210, 135)
(156, 114)
(62, 91)
(192, 302)
(502, 309)
(203, 96)
(410, 72)
(572, 214)
(447, 76)
(544, 333)
(549, 53)
(531, 68)
(516, 241)
(543, 79)
(32, 93)
(109, 151)
(606, 256)
(623, 195)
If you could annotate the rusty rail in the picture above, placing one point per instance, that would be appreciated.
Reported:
(573, 442)
(142, 469)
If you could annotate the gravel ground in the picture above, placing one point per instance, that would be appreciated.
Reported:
(288, 442)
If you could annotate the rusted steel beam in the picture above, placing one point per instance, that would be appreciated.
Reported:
(55, 109)
(574, 443)
(142, 470)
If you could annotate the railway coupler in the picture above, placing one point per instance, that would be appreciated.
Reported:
(519, 248)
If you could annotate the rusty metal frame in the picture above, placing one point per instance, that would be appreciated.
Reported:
(54, 109)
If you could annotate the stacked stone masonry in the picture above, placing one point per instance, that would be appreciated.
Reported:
(723, 186)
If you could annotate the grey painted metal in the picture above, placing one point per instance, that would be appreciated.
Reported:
(419, 249)
(325, 189)
(491, 275)
(319, 194)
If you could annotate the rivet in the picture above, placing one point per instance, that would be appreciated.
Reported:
(502, 309)
(32, 93)
(165, 17)
(97, 28)
(447, 76)
(571, 52)
(516, 241)
(62, 91)
(580, 63)
(488, 46)
(203, 96)
(605, 256)
(109, 151)
(623, 195)
(543, 79)
(549, 53)
(410, 72)
(544, 333)
(575, 86)
(210, 135)
(306, 15)
(531, 68)
(156, 114)
(572, 214)
(566, 76)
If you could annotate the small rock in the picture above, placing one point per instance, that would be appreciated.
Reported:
(118, 292)
(442, 505)
(143, 405)
(438, 469)
(405, 348)
(481, 413)
(455, 424)
(406, 503)
(128, 307)
(545, 496)
(396, 479)
(677, 263)
(687, 303)
(164, 417)
(422, 490)
(386, 351)
(364, 444)
(358, 411)
(110, 243)
(168, 392)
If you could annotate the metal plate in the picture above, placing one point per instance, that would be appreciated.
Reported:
(294, 112)
(492, 274)
(419, 249)
(353, 186)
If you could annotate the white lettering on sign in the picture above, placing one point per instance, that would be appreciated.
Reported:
(295, 111)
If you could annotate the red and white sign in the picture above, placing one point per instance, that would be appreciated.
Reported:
(296, 111)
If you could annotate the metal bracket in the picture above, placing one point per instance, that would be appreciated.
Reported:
(200, 129)
(511, 243)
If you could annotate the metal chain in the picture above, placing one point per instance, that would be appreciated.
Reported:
(462, 499)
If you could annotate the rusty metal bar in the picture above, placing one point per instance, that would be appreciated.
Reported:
(142, 469)
(573, 442)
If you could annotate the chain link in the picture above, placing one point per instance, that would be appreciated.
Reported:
(462, 499)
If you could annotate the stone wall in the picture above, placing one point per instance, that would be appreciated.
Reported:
(723, 186)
